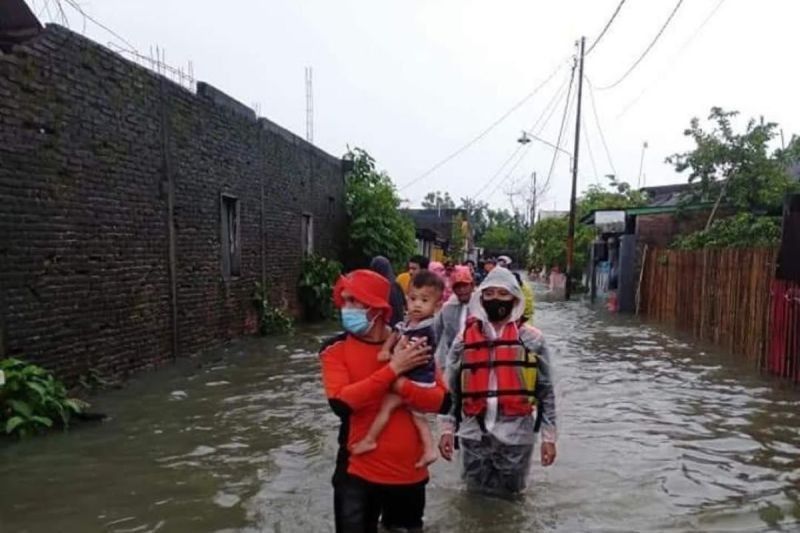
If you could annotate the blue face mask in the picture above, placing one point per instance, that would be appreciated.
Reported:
(355, 321)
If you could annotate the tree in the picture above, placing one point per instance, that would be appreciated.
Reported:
(505, 232)
(549, 237)
(458, 238)
(376, 226)
(437, 200)
(737, 169)
(477, 216)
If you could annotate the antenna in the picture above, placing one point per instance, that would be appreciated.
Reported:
(309, 107)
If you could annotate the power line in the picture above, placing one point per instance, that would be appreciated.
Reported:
(508, 175)
(561, 128)
(605, 29)
(599, 127)
(79, 9)
(683, 47)
(497, 173)
(589, 149)
(519, 147)
(485, 132)
(551, 107)
(647, 50)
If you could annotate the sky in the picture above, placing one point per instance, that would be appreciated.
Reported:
(414, 81)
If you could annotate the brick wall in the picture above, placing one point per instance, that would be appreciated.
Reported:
(99, 159)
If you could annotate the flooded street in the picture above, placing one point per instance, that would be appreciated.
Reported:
(655, 435)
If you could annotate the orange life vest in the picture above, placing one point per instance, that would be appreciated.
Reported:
(514, 367)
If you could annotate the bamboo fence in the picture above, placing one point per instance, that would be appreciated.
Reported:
(721, 296)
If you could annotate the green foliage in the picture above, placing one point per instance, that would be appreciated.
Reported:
(477, 214)
(376, 226)
(271, 320)
(621, 196)
(549, 236)
(738, 169)
(458, 239)
(32, 400)
(437, 200)
(744, 230)
(505, 232)
(315, 286)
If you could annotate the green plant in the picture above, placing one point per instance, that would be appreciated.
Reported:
(93, 380)
(32, 400)
(315, 287)
(376, 226)
(271, 320)
(743, 230)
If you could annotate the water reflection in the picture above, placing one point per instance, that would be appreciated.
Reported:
(657, 434)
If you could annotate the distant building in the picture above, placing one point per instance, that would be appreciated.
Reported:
(544, 215)
(435, 229)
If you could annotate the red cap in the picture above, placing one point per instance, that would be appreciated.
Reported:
(366, 287)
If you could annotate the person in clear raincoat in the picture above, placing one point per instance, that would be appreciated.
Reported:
(499, 370)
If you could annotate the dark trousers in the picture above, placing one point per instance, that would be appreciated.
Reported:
(495, 468)
(358, 505)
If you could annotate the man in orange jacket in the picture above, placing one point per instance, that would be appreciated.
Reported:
(382, 484)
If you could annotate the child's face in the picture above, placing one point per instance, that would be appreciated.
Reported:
(423, 302)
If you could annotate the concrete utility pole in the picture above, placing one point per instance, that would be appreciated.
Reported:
(533, 200)
(571, 231)
(641, 166)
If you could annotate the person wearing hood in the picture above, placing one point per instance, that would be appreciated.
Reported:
(452, 318)
(397, 296)
(500, 370)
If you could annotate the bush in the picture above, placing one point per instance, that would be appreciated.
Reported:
(376, 226)
(744, 230)
(315, 287)
(32, 400)
(271, 320)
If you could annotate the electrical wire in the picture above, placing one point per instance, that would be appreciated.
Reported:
(509, 174)
(519, 147)
(74, 5)
(486, 131)
(599, 127)
(561, 129)
(682, 49)
(605, 29)
(497, 173)
(589, 149)
(646, 51)
(551, 107)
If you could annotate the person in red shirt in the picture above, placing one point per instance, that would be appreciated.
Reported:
(384, 484)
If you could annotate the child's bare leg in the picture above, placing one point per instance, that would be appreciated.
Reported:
(425, 435)
(370, 440)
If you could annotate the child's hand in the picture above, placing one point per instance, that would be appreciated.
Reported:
(384, 355)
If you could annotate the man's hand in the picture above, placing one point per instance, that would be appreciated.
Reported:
(409, 355)
(548, 453)
(446, 445)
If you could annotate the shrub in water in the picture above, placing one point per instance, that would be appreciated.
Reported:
(32, 400)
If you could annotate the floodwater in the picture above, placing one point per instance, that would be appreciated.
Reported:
(656, 434)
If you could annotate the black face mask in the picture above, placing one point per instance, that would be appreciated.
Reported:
(498, 310)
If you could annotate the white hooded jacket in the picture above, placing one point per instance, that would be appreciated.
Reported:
(510, 430)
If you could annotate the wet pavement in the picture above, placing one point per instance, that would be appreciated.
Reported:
(656, 434)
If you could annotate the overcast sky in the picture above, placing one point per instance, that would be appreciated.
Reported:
(412, 81)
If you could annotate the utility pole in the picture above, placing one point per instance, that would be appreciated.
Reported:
(309, 107)
(571, 231)
(641, 165)
(533, 201)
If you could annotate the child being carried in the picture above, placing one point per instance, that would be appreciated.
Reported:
(424, 300)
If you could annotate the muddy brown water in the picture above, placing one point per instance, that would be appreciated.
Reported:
(656, 434)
